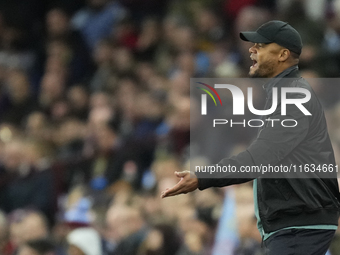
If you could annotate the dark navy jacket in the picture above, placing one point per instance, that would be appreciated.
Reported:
(285, 202)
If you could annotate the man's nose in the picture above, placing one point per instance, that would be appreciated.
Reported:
(252, 49)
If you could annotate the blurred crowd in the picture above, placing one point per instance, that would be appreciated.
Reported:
(95, 119)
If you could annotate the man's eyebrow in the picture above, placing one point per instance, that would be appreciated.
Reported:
(259, 44)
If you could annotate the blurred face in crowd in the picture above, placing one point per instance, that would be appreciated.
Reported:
(70, 130)
(57, 22)
(169, 27)
(149, 34)
(180, 86)
(186, 62)
(59, 54)
(145, 71)
(13, 155)
(105, 137)
(99, 99)
(149, 107)
(183, 39)
(18, 86)
(59, 110)
(122, 59)
(126, 96)
(102, 52)
(205, 20)
(35, 120)
(52, 88)
(122, 221)
(98, 116)
(266, 59)
(180, 118)
(26, 227)
(34, 227)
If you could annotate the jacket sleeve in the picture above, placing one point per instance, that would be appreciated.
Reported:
(273, 143)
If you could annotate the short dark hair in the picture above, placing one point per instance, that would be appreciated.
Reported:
(41, 246)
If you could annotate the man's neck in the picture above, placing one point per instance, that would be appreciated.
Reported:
(267, 87)
(282, 69)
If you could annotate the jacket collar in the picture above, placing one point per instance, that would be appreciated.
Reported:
(291, 72)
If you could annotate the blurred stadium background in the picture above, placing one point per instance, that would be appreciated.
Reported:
(95, 118)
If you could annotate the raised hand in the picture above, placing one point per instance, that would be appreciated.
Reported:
(186, 184)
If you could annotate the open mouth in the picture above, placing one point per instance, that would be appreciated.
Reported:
(254, 63)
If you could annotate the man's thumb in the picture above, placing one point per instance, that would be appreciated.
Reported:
(181, 174)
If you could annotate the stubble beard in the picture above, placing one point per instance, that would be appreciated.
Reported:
(265, 70)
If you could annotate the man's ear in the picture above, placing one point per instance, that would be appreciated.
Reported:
(284, 55)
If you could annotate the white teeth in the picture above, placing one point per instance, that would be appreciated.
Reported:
(254, 65)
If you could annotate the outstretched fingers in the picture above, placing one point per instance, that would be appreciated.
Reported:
(175, 190)
(184, 186)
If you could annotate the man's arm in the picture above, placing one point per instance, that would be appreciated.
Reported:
(272, 145)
